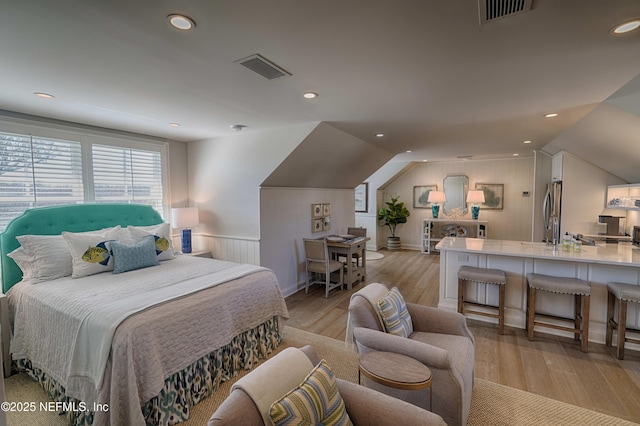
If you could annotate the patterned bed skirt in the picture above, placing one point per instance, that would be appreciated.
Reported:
(187, 387)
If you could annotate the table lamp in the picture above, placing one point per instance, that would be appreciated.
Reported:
(185, 218)
(436, 197)
(475, 197)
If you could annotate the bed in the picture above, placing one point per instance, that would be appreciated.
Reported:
(148, 363)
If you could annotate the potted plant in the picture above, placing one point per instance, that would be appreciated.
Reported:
(394, 214)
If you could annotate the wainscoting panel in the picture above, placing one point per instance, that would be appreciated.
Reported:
(233, 249)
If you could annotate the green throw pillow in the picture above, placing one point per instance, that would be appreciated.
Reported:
(315, 402)
(395, 315)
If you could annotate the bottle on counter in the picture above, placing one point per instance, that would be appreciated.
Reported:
(566, 242)
(577, 246)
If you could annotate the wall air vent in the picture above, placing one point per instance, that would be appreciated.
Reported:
(490, 10)
(262, 66)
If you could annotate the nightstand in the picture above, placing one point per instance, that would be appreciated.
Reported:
(202, 253)
(5, 334)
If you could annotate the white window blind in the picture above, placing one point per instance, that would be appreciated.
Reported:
(36, 172)
(127, 175)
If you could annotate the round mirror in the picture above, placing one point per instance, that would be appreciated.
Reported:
(455, 188)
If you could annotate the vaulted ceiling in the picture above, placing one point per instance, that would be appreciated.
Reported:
(425, 73)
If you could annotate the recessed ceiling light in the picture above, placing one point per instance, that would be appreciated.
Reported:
(408, 151)
(310, 95)
(526, 142)
(379, 135)
(424, 161)
(551, 115)
(515, 155)
(626, 27)
(181, 22)
(174, 124)
(43, 95)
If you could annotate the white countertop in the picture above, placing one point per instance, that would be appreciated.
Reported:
(623, 254)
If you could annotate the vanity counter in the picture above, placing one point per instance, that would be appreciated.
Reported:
(597, 265)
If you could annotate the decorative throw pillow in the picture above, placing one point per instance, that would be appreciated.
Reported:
(162, 235)
(91, 252)
(395, 315)
(315, 402)
(140, 255)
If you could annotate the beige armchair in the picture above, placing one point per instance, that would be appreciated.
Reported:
(441, 340)
(364, 407)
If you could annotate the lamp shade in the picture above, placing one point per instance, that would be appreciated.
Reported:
(437, 197)
(185, 217)
(475, 197)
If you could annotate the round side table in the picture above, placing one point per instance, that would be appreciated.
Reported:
(396, 371)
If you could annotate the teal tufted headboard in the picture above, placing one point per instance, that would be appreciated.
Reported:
(71, 218)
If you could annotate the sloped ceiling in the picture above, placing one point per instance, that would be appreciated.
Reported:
(328, 158)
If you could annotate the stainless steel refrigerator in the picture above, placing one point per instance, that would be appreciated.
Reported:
(551, 212)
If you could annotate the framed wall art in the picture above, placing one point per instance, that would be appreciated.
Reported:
(317, 225)
(493, 195)
(362, 198)
(421, 196)
(316, 210)
(326, 210)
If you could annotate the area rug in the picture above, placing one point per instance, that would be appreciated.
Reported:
(374, 255)
(492, 404)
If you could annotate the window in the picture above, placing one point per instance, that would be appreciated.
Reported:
(38, 171)
(127, 175)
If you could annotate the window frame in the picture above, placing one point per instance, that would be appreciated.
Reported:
(87, 137)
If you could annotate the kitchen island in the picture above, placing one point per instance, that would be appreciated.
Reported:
(597, 265)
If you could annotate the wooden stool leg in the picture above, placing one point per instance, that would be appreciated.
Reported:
(501, 309)
(611, 305)
(622, 328)
(577, 301)
(531, 307)
(586, 300)
(460, 293)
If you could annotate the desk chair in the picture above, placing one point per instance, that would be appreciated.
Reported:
(318, 262)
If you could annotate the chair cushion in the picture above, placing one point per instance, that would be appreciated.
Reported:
(316, 401)
(321, 267)
(482, 275)
(394, 313)
(623, 291)
(562, 285)
(460, 349)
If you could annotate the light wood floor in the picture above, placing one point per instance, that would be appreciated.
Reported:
(550, 366)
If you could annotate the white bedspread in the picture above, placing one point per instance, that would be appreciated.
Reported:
(54, 323)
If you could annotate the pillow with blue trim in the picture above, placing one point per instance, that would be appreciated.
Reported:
(394, 313)
(137, 256)
(91, 252)
(316, 401)
(162, 236)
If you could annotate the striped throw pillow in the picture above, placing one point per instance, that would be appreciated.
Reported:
(315, 402)
(394, 314)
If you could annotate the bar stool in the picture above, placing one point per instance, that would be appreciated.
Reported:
(482, 276)
(580, 289)
(623, 293)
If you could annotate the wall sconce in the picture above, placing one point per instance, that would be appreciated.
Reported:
(436, 197)
(475, 197)
(185, 218)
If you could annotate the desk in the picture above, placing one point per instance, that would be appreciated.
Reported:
(348, 248)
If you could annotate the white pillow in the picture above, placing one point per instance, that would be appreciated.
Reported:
(91, 252)
(162, 234)
(48, 257)
(23, 261)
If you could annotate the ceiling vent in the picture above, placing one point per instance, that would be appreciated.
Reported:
(490, 10)
(263, 66)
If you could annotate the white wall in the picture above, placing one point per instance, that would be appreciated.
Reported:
(286, 220)
(225, 175)
(511, 223)
(584, 195)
